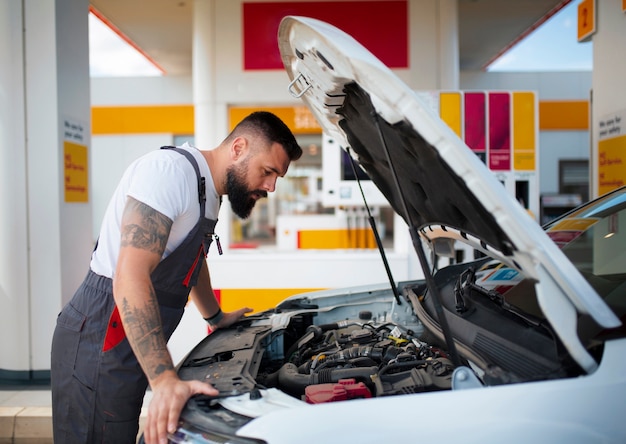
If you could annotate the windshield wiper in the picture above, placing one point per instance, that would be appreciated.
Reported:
(467, 283)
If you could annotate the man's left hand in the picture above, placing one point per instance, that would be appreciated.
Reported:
(230, 318)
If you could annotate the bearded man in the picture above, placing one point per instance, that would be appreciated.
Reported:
(110, 341)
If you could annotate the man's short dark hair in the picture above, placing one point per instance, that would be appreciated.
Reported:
(271, 127)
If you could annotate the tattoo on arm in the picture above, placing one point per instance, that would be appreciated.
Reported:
(145, 228)
(145, 333)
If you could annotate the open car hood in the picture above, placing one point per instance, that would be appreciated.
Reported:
(429, 176)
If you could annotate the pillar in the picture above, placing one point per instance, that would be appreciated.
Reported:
(45, 228)
(608, 102)
(434, 45)
(210, 120)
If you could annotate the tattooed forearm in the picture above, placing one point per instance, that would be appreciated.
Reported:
(144, 228)
(144, 331)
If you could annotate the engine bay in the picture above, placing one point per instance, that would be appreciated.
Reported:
(364, 345)
(320, 363)
(365, 342)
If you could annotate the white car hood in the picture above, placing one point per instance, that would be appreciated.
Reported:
(430, 177)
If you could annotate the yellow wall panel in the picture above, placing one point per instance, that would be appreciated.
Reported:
(564, 115)
(177, 119)
(336, 239)
(258, 299)
(298, 118)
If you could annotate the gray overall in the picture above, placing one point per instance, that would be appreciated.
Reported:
(97, 384)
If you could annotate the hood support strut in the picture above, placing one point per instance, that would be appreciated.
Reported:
(419, 248)
(379, 243)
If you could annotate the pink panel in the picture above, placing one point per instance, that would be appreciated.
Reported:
(474, 122)
(500, 131)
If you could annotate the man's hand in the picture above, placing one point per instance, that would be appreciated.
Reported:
(168, 399)
(230, 318)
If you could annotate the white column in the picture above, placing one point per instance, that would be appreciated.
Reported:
(14, 294)
(434, 45)
(210, 123)
(204, 52)
(44, 69)
(448, 44)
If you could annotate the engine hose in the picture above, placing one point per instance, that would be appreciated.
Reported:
(356, 352)
(294, 383)
(403, 365)
(326, 327)
(361, 361)
(270, 380)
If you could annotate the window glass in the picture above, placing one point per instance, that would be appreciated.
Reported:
(594, 239)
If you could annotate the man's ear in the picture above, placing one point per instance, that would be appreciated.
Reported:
(238, 148)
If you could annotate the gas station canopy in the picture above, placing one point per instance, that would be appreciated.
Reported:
(163, 28)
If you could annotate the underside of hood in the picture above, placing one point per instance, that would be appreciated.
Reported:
(418, 184)
(430, 177)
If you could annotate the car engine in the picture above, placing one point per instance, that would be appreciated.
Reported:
(348, 360)
(313, 359)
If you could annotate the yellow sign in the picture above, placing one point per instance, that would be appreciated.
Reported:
(586, 19)
(75, 168)
(611, 152)
(450, 111)
(524, 131)
(611, 164)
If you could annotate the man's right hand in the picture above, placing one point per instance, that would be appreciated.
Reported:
(169, 396)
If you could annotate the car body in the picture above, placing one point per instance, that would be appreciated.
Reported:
(524, 343)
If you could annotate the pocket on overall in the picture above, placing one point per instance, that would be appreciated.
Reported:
(66, 339)
(78, 340)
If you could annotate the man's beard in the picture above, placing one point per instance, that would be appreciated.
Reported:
(240, 198)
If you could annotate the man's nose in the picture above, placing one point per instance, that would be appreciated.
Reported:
(269, 184)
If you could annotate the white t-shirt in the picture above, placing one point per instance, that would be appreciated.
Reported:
(166, 181)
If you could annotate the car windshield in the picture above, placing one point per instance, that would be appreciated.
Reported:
(593, 237)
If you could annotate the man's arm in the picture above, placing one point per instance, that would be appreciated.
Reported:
(144, 234)
(204, 298)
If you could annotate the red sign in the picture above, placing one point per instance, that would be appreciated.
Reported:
(380, 26)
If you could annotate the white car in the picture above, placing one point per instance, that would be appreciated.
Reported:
(525, 344)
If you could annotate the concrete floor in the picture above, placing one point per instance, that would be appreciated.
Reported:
(26, 414)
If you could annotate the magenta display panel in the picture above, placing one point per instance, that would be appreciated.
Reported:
(499, 131)
(380, 26)
(474, 122)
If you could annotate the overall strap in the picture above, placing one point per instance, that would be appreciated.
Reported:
(201, 179)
